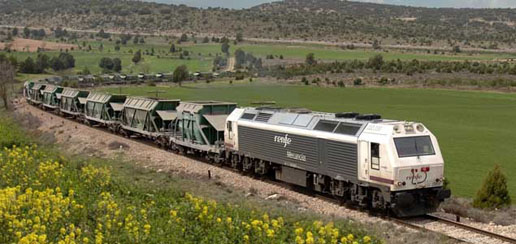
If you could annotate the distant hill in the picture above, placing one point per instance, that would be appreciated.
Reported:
(324, 20)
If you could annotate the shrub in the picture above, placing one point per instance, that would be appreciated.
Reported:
(494, 193)
(357, 82)
(304, 81)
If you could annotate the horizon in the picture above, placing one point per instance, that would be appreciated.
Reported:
(242, 4)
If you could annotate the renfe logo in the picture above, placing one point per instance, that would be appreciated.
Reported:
(283, 140)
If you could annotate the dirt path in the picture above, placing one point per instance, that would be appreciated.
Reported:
(29, 45)
(231, 64)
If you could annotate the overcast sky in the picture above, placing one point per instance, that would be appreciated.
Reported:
(238, 4)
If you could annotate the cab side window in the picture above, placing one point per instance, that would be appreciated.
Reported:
(375, 156)
(230, 129)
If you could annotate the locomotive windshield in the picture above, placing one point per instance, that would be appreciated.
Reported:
(414, 146)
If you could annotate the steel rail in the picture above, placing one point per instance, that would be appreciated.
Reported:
(471, 228)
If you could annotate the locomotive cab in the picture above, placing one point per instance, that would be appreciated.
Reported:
(405, 158)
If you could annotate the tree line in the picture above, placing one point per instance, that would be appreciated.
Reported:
(42, 62)
(378, 64)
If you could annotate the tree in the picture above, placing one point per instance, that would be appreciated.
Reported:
(7, 74)
(183, 38)
(137, 57)
(27, 66)
(494, 193)
(15, 31)
(135, 40)
(225, 47)
(310, 59)
(173, 48)
(376, 44)
(42, 63)
(180, 74)
(26, 32)
(240, 58)
(117, 64)
(205, 40)
(456, 49)
(376, 62)
(239, 37)
(106, 63)
(67, 59)
(57, 64)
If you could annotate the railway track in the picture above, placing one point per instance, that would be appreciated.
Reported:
(412, 223)
(470, 228)
(416, 224)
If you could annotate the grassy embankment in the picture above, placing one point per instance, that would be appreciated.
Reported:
(475, 129)
(48, 197)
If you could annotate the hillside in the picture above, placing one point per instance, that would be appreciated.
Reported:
(325, 20)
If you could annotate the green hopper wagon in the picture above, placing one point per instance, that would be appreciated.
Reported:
(36, 93)
(51, 96)
(103, 109)
(73, 101)
(200, 126)
(27, 89)
(149, 117)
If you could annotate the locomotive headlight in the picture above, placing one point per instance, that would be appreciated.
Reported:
(409, 128)
(420, 128)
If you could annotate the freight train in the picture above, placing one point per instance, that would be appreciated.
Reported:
(375, 163)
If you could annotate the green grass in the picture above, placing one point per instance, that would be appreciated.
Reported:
(475, 129)
(334, 53)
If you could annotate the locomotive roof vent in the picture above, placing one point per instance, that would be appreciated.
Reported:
(300, 110)
(268, 108)
(368, 117)
(346, 115)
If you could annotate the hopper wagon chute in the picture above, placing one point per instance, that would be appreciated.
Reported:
(36, 93)
(27, 89)
(149, 117)
(73, 101)
(104, 109)
(200, 127)
(52, 96)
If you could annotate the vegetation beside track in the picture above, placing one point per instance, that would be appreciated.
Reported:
(47, 197)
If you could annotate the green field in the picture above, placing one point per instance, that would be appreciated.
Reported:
(330, 53)
(475, 129)
(201, 56)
